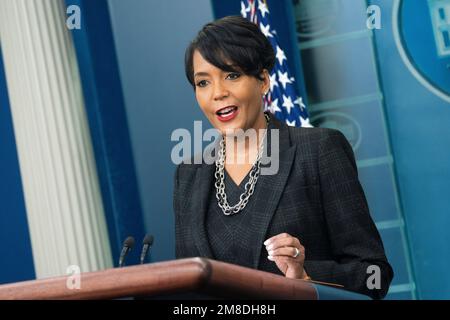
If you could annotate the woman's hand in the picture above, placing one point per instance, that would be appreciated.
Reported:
(288, 254)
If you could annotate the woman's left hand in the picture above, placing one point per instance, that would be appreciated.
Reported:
(288, 254)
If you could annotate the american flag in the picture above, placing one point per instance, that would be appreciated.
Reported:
(283, 99)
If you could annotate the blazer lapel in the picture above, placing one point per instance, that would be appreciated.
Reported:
(203, 185)
(271, 188)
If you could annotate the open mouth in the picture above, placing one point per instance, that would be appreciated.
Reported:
(227, 113)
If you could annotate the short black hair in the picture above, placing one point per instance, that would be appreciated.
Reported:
(232, 44)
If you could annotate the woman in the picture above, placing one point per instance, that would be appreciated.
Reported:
(309, 220)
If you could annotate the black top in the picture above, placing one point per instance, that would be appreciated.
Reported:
(230, 236)
(233, 229)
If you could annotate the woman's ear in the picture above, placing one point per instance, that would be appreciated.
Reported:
(265, 82)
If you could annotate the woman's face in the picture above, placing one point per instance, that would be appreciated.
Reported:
(229, 100)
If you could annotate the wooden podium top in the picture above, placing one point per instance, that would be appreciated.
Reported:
(193, 275)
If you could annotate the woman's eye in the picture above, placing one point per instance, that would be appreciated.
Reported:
(233, 75)
(201, 83)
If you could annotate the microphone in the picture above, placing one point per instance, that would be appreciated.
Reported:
(147, 243)
(126, 247)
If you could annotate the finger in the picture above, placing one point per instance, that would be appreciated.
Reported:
(274, 238)
(284, 242)
(286, 251)
(290, 252)
(290, 267)
(283, 262)
(280, 259)
(280, 263)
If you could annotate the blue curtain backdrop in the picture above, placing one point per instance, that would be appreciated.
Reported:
(15, 249)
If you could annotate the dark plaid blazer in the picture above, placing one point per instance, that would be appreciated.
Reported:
(315, 196)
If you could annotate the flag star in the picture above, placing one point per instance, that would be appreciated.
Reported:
(265, 30)
(263, 8)
(273, 81)
(305, 122)
(287, 103)
(244, 9)
(274, 106)
(299, 101)
(291, 123)
(280, 55)
(283, 78)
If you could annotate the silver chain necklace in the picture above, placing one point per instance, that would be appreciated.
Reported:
(249, 186)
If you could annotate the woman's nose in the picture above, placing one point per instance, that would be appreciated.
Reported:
(220, 92)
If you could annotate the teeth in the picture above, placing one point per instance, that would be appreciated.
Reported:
(226, 110)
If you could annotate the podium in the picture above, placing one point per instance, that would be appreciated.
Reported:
(192, 278)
